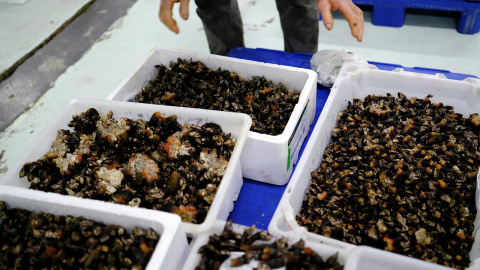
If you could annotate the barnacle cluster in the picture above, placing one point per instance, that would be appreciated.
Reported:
(31, 240)
(399, 175)
(262, 247)
(192, 84)
(155, 164)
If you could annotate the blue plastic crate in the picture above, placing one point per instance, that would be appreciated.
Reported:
(392, 12)
(302, 60)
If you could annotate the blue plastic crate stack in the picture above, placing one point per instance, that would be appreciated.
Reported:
(392, 12)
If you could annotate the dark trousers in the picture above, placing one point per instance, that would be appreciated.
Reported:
(224, 30)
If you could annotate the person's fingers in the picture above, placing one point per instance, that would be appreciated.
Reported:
(166, 16)
(184, 9)
(360, 24)
(325, 9)
(352, 13)
(354, 16)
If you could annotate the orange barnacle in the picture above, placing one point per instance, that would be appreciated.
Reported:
(442, 184)
(144, 247)
(171, 146)
(156, 116)
(50, 251)
(173, 140)
(166, 147)
(265, 90)
(475, 119)
(461, 235)
(102, 189)
(348, 185)
(121, 200)
(274, 107)
(229, 142)
(308, 251)
(169, 95)
(322, 195)
(389, 242)
(115, 164)
(249, 98)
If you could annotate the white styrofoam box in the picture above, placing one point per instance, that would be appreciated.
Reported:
(171, 250)
(235, 123)
(358, 81)
(352, 258)
(368, 258)
(194, 257)
(265, 158)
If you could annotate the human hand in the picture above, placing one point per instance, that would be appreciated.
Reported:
(352, 13)
(166, 16)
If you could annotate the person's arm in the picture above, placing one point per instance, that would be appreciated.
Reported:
(166, 16)
(352, 13)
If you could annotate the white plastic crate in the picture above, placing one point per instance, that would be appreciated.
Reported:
(368, 258)
(171, 250)
(358, 81)
(352, 257)
(194, 257)
(265, 158)
(235, 123)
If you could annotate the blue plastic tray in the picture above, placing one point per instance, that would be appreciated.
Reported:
(302, 60)
(392, 12)
(257, 201)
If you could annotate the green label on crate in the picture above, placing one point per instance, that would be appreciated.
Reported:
(293, 135)
(288, 159)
